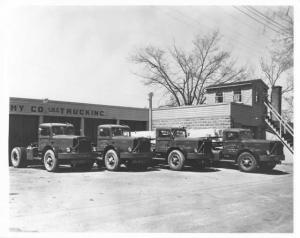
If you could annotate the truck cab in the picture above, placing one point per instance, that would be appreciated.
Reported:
(116, 146)
(173, 145)
(239, 146)
(57, 144)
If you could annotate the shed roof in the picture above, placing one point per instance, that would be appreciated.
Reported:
(237, 84)
(112, 125)
(55, 124)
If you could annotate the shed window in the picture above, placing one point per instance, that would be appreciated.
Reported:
(237, 95)
(164, 133)
(219, 97)
(104, 132)
(45, 131)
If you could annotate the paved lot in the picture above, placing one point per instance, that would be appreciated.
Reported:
(219, 199)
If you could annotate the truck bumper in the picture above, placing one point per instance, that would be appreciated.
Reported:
(77, 156)
(197, 156)
(136, 156)
(271, 158)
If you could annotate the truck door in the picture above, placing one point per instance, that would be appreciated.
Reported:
(163, 139)
(231, 144)
(44, 137)
(103, 138)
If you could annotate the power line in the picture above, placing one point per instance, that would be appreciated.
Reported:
(268, 20)
(257, 20)
(250, 45)
(243, 23)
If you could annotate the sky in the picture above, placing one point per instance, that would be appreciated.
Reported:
(82, 53)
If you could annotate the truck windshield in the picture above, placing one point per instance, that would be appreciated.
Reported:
(118, 131)
(246, 135)
(63, 130)
(179, 133)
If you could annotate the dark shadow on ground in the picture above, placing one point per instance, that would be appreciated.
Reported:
(272, 172)
(66, 169)
(190, 169)
(95, 169)
(230, 165)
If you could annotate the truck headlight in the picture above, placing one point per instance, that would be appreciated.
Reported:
(195, 150)
(129, 149)
(268, 152)
(68, 149)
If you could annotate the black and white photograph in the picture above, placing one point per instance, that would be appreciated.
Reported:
(172, 118)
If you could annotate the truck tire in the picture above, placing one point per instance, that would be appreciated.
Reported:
(18, 157)
(112, 160)
(267, 166)
(50, 161)
(247, 162)
(176, 160)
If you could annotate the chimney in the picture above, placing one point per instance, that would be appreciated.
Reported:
(150, 110)
(276, 98)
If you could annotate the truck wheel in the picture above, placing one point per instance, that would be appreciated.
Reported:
(247, 162)
(176, 160)
(50, 161)
(267, 166)
(18, 157)
(112, 160)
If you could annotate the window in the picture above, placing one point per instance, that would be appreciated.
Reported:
(164, 133)
(237, 95)
(232, 135)
(179, 133)
(45, 131)
(219, 97)
(120, 131)
(104, 132)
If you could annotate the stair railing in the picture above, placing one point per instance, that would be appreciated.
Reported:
(282, 122)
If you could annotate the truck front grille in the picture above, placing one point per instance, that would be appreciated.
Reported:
(205, 146)
(141, 145)
(276, 148)
(82, 145)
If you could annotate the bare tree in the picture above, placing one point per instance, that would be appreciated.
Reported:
(278, 68)
(273, 71)
(185, 75)
(283, 49)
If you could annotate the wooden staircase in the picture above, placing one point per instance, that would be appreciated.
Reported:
(280, 127)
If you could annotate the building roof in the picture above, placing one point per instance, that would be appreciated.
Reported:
(170, 127)
(55, 124)
(236, 84)
(112, 125)
(236, 129)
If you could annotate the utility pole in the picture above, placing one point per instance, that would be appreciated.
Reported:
(150, 110)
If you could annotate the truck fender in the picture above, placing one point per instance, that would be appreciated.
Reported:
(47, 147)
(110, 147)
(249, 151)
(176, 148)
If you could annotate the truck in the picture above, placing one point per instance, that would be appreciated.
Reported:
(116, 147)
(57, 145)
(173, 145)
(238, 145)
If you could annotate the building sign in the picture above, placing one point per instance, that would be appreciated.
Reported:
(49, 110)
(68, 109)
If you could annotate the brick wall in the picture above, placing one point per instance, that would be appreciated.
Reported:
(196, 122)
